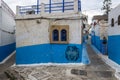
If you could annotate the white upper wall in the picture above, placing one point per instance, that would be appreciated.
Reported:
(114, 13)
(103, 29)
(96, 27)
(7, 25)
(100, 28)
(0, 3)
(28, 32)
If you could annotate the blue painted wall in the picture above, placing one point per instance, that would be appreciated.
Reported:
(6, 51)
(95, 40)
(85, 57)
(44, 53)
(114, 48)
(98, 42)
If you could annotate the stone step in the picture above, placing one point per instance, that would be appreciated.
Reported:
(102, 74)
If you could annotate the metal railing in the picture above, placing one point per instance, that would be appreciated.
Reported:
(33, 9)
(49, 8)
(59, 7)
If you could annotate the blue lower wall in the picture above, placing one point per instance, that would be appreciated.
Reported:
(44, 53)
(98, 43)
(95, 40)
(6, 51)
(114, 48)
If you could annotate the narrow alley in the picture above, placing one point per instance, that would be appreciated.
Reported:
(97, 69)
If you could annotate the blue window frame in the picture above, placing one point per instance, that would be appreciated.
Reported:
(63, 35)
(55, 35)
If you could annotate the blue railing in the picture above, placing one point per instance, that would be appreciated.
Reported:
(79, 5)
(27, 9)
(49, 8)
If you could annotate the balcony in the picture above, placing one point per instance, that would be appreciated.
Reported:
(59, 7)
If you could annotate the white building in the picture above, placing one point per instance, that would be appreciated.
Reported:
(7, 31)
(114, 34)
(99, 31)
(48, 33)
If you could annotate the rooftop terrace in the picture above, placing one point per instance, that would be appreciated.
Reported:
(53, 7)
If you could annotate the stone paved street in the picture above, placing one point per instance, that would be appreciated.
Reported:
(96, 70)
(5, 66)
(100, 70)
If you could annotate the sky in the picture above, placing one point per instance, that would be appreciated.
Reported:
(89, 7)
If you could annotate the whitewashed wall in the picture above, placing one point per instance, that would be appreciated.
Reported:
(114, 13)
(0, 3)
(8, 25)
(103, 29)
(96, 28)
(29, 32)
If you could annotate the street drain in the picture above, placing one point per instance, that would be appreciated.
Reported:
(79, 72)
(104, 74)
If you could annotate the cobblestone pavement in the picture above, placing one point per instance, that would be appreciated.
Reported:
(5, 66)
(96, 70)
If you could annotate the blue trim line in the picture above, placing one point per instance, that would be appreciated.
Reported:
(37, 6)
(63, 6)
(50, 6)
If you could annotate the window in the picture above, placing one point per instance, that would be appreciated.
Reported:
(112, 22)
(63, 35)
(119, 20)
(59, 34)
(55, 35)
